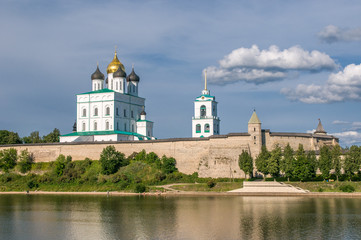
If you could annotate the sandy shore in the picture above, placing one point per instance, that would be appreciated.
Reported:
(190, 193)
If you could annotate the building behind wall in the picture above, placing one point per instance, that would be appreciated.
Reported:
(112, 111)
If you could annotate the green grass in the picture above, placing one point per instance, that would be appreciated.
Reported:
(203, 187)
(326, 186)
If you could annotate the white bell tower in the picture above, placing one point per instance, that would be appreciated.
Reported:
(205, 122)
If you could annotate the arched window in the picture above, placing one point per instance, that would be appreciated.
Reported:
(132, 114)
(120, 85)
(116, 85)
(83, 127)
(106, 125)
(125, 113)
(132, 128)
(95, 86)
(117, 112)
(117, 126)
(149, 133)
(111, 85)
(95, 126)
(125, 127)
(198, 128)
(96, 111)
(98, 86)
(84, 112)
(107, 111)
(206, 128)
(203, 111)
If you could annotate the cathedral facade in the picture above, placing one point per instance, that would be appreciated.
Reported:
(112, 111)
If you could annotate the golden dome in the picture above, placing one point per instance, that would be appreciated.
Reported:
(114, 65)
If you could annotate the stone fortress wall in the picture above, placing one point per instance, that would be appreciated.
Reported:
(215, 156)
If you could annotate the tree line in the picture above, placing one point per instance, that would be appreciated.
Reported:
(302, 165)
(8, 137)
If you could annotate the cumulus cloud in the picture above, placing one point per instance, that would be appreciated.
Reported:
(331, 34)
(349, 137)
(339, 122)
(260, 66)
(342, 86)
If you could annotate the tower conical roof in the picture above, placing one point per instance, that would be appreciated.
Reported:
(320, 129)
(254, 118)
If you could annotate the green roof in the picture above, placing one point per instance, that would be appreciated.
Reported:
(102, 133)
(104, 90)
(204, 95)
(144, 121)
(254, 118)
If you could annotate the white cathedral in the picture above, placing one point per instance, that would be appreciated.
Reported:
(112, 111)
(205, 122)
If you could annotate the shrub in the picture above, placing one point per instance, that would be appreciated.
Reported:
(211, 183)
(60, 164)
(32, 184)
(168, 165)
(152, 158)
(347, 188)
(8, 158)
(141, 156)
(139, 188)
(320, 189)
(111, 160)
(26, 161)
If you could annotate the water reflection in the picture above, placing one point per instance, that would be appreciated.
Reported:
(101, 217)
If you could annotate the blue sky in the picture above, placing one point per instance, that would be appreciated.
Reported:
(294, 61)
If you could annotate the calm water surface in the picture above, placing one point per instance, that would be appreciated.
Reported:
(101, 217)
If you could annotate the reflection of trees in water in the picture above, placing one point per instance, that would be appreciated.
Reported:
(298, 218)
(138, 217)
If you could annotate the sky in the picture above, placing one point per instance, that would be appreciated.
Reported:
(293, 61)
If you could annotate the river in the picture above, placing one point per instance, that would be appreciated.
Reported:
(191, 217)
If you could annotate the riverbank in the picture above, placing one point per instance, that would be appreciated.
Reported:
(184, 193)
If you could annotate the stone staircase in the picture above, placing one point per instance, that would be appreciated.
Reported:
(269, 187)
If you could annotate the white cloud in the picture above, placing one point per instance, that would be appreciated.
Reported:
(342, 86)
(340, 122)
(331, 34)
(349, 137)
(311, 131)
(260, 66)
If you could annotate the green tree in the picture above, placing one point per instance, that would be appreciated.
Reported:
(141, 156)
(60, 164)
(52, 137)
(168, 165)
(245, 162)
(336, 160)
(352, 161)
(273, 163)
(26, 160)
(312, 161)
(34, 137)
(261, 161)
(287, 161)
(152, 158)
(111, 160)
(302, 167)
(7, 137)
(325, 161)
(8, 158)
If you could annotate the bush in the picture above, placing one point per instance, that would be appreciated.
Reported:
(139, 188)
(60, 164)
(141, 156)
(26, 161)
(32, 184)
(347, 188)
(269, 179)
(111, 160)
(320, 189)
(211, 183)
(8, 158)
(168, 165)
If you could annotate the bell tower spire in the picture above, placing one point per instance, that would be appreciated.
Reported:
(205, 91)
